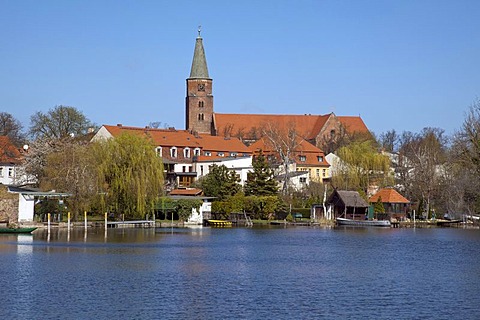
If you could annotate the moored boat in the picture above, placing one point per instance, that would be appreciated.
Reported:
(17, 230)
(363, 223)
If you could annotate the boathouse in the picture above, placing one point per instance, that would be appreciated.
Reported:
(347, 204)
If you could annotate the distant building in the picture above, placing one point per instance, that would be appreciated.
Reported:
(11, 160)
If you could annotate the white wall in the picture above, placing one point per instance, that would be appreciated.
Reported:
(25, 208)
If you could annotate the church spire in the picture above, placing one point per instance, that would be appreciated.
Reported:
(199, 64)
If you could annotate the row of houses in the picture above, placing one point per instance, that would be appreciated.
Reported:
(188, 157)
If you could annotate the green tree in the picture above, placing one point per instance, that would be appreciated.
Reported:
(58, 123)
(220, 183)
(261, 182)
(130, 175)
(378, 207)
(184, 207)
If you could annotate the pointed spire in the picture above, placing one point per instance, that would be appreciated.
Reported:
(199, 64)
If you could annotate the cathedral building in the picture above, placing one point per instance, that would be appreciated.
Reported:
(323, 131)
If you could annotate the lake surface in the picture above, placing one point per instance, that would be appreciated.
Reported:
(241, 273)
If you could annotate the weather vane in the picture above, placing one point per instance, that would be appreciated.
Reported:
(199, 30)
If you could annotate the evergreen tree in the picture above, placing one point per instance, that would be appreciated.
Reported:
(261, 182)
(220, 183)
(378, 207)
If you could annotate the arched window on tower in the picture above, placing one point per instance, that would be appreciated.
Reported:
(200, 104)
(201, 117)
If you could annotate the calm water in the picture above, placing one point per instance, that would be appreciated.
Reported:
(241, 273)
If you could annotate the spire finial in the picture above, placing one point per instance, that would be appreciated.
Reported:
(199, 30)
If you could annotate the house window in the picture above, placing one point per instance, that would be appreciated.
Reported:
(10, 172)
(320, 158)
(186, 152)
(200, 104)
(173, 152)
(318, 172)
(1, 171)
(158, 151)
(324, 173)
(303, 158)
(208, 153)
(201, 170)
(196, 152)
(303, 180)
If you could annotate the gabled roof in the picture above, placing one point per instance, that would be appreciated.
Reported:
(304, 148)
(388, 195)
(217, 143)
(182, 139)
(350, 198)
(160, 137)
(353, 124)
(308, 126)
(9, 153)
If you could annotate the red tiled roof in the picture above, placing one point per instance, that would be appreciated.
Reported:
(182, 138)
(353, 124)
(388, 195)
(308, 126)
(8, 152)
(304, 148)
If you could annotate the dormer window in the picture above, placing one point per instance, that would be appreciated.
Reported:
(221, 154)
(196, 152)
(208, 153)
(158, 151)
(303, 158)
(186, 152)
(173, 152)
(233, 154)
(320, 158)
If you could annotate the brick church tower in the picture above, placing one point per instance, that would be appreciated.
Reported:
(199, 100)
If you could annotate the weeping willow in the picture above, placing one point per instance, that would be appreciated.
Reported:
(361, 167)
(130, 175)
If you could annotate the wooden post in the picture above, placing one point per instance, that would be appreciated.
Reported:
(105, 221)
(68, 221)
(48, 223)
(85, 218)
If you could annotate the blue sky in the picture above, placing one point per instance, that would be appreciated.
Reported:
(401, 65)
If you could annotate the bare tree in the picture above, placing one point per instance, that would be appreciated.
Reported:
(284, 141)
(58, 123)
(11, 127)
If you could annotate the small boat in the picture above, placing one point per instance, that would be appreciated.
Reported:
(363, 223)
(17, 230)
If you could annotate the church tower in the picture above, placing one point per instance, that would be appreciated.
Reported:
(199, 100)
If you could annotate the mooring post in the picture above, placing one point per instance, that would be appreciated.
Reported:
(68, 221)
(48, 222)
(85, 218)
(105, 221)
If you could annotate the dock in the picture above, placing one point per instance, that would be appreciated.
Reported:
(131, 224)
